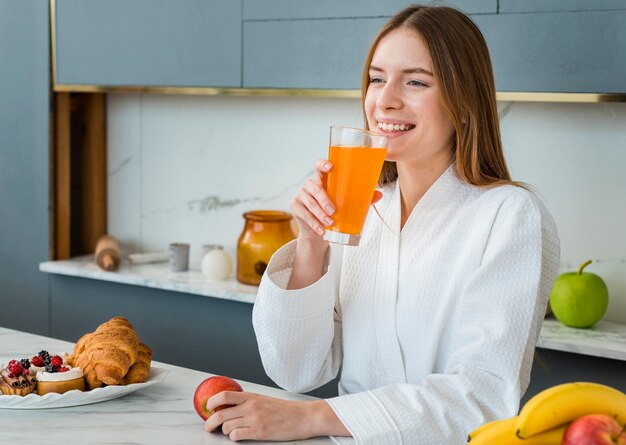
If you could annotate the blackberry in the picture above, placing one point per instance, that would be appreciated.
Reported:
(25, 363)
(50, 368)
(43, 354)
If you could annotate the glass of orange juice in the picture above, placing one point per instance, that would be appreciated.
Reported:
(357, 157)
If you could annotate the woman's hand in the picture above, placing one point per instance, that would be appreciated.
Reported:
(312, 207)
(257, 417)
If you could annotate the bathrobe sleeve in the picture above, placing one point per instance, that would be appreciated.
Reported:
(491, 336)
(299, 331)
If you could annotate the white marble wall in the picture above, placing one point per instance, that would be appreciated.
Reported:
(184, 168)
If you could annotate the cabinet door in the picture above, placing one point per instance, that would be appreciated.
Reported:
(570, 52)
(306, 53)
(149, 42)
(321, 44)
(24, 170)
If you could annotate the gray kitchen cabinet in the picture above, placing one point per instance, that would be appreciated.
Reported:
(306, 53)
(184, 43)
(324, 9)
(577, 52)
(24, 169)
(558, 51)
(198, 332)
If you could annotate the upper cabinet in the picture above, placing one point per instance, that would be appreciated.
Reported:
(557, 51)
(185, 43)
(536, 45)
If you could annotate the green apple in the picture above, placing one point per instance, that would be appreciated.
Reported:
(579, 299)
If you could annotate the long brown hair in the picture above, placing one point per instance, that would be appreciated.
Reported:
(464, 75)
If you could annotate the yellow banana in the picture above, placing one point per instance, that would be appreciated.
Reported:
(491, 432)
(492, 429)
(563, 403)
(502, 432)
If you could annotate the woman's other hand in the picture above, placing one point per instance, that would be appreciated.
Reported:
(257, 417)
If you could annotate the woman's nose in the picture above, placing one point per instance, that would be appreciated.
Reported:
(389, 97)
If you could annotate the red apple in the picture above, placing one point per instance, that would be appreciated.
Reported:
(209, 388)
(595, 429)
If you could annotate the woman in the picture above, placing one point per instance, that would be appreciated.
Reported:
(433, 319)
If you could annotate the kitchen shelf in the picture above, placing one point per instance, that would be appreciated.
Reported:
(154, 275)
(606, 339)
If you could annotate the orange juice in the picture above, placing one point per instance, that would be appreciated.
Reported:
(351, 183)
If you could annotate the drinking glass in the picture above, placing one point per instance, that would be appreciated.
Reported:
(357, 157)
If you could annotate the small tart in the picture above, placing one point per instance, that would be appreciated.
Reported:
(16, 386)
(60, 382)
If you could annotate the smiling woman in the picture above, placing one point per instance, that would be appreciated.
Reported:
(434, 317)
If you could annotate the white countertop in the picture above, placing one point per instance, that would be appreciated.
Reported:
(155, 275)
(158, 414)
(605, 339)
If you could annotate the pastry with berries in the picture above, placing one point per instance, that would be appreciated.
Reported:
(39, 362)
(59, 377)
(16, 379)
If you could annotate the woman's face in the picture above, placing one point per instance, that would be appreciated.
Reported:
(403, 102)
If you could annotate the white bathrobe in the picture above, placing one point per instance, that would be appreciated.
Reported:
(433, 326)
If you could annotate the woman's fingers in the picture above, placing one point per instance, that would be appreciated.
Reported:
(312, 206)
(231, 400)
(316, 190)
(303, 214)
(322, 167)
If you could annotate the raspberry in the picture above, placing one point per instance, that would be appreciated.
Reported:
(26, 372)
(56, 361)
(37, 361)
(63, 369)
(15, 367)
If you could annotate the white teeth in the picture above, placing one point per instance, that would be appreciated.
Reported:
(393, 127)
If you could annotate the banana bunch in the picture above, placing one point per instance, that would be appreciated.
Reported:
(545, 417)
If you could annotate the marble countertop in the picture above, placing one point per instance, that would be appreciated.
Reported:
(155, 275)
(605, 339)
(158, 414)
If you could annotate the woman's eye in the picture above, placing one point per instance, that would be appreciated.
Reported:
(416, 83)
(376, 80)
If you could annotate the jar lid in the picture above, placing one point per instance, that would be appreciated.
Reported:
(267, 215)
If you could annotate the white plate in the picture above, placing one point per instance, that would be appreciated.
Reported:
(76, 398)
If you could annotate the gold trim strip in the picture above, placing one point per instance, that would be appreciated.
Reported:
(53, 38)
(350, 94)
(560, 97)
(207, 91)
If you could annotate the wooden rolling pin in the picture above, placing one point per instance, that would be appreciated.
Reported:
(108, 253)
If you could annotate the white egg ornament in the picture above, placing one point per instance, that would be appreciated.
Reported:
(216, 265)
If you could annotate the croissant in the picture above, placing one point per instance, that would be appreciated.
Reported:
(141, 368)
(107, 354)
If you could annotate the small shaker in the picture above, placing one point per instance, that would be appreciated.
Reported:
(179, 257)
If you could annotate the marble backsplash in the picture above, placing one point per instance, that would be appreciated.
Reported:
(185, 168)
